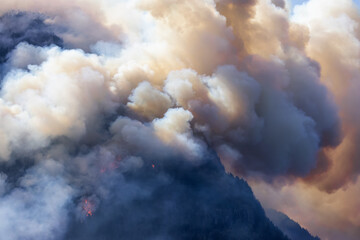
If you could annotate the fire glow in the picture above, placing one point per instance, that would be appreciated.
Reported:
(112, 166)
(88, 208)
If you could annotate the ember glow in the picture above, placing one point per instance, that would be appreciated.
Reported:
(212, 94)
(88, 208)
(109, 166)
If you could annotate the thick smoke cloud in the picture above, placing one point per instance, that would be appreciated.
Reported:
(333, 41)
(79, 23)
(340, 74)
(16, 27)
(254, 100)
(129, 118)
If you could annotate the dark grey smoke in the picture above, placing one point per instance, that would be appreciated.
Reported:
(291, 228)
(17, 27)
(299, 115)
(279, 3)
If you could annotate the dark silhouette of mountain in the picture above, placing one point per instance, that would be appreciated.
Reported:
(289, 227)
(178, 200)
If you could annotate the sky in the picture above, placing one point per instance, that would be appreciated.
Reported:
(296, 2)
(138, 112)
(299, 2)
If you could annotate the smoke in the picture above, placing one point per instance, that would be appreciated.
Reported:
(19, 27)
(253, 101)
(35, 208)
(78, 23)
(340, 74)
(124, 118)
(330, 216)
(334, 44)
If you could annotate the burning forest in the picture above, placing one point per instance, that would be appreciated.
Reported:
(179, 119)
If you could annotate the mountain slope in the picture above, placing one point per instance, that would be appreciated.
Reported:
(291, 228)
(178, 201)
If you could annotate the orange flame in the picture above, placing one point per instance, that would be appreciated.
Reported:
(88, 208)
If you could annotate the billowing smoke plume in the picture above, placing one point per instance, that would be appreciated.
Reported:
(237, 105)
(332, 39)
(124, 123)
(17, 27)
(341, 75)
